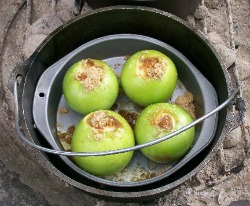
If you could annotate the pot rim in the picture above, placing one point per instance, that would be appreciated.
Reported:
(139, 8)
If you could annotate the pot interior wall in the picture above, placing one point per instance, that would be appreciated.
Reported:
(152, 23)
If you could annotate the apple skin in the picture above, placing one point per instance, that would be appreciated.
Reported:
(146, 130)
(144, 90)
(83, 101)
(83, 140)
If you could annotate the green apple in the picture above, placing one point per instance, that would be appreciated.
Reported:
(90, 85)
(102, 130)
(161, 119)
(149, 77)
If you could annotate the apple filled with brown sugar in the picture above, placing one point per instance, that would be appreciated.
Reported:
(90, 85)
(149, 77)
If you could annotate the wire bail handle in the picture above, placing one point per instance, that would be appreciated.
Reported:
(111, 152)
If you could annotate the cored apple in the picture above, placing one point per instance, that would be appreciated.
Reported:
(149, 77)
(159, 120)
(90, 85)
(102, 130)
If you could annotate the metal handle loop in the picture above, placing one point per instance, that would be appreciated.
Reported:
(111, 152)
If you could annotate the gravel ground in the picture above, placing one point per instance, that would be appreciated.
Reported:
(226, 178)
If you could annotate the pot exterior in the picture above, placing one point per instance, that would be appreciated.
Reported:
(180, 8)
(119, 20)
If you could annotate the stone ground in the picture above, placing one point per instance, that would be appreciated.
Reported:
(226, 178)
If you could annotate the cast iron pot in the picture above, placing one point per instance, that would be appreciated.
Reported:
(180, 8)
(119, 20)
(49, 101)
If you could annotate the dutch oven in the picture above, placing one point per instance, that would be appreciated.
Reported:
(180, 8)
(141, 22)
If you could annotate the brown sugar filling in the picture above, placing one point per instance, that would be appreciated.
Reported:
(99, 120)
(163, 122)
(91, 75)
(152, 67)
(131, 117)
(66, 136)
(186, 102)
